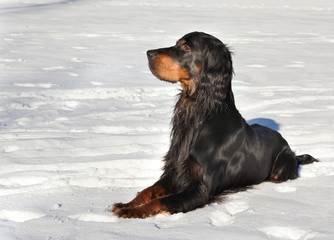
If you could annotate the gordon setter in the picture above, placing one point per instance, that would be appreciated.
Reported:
(212, 148)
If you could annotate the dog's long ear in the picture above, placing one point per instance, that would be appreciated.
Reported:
(216, 73)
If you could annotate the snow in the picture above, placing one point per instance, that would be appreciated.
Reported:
(84, 124)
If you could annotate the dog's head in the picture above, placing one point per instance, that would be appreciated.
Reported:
(196, 59)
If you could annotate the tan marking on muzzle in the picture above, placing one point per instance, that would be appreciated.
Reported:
(165, 68)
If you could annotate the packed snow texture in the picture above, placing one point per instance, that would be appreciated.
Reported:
(84, 124)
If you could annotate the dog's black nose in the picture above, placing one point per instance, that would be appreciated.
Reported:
(151, 54)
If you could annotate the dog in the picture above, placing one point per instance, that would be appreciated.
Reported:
(212, 149)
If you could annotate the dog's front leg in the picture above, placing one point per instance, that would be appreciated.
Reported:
(142, 198)
(181, 202)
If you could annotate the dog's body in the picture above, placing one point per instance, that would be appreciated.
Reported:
(212, 148)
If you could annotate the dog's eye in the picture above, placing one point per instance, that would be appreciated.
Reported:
(185, 47)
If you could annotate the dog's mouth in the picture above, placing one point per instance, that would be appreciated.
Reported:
(156, 72)
(165, 68)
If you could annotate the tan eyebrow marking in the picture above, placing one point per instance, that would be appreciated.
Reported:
(181, 41)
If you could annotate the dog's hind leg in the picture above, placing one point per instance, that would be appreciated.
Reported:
(285, 166)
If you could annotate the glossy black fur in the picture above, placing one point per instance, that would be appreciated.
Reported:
(213, 149)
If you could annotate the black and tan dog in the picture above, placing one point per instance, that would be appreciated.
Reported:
(212, 147)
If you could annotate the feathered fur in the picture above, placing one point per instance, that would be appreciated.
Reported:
(213, 150)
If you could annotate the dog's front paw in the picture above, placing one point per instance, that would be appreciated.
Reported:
(136, 212)
(117, 206)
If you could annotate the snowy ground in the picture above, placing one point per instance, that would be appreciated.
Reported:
(84, 124)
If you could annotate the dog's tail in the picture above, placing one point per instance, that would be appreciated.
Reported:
(305, 159)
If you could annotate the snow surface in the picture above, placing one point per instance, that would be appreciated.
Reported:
(84, 124)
